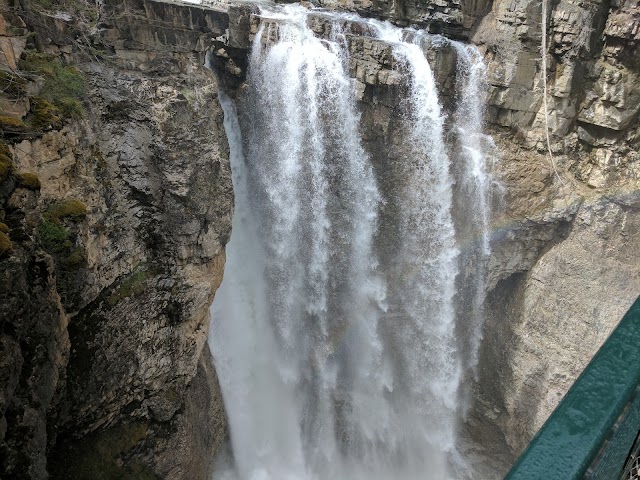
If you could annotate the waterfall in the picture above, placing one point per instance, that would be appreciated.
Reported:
(337, 361)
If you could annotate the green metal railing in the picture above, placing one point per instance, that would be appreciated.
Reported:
(593, 433)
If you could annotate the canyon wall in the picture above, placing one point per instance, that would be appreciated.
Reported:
(116, 209)
(565, 262)
(116, 204)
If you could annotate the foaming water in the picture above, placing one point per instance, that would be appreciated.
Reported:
(427, 258)
(327, 370)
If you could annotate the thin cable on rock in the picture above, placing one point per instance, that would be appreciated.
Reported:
(544, 88)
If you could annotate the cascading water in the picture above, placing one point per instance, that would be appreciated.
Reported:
(473, 197)
(335, 362)
(424, 290)
(474, 143)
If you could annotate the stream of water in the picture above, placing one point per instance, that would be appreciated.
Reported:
(330, 366)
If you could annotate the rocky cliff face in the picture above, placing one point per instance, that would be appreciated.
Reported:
(116, 204)
(565, 263)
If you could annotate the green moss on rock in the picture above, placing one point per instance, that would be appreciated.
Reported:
(99, 456)
(45, 114)
(4, 228)
(101, 163)
(6, 247)
(132, 286)
(6, 164)
(71, 208)
(28, 180)
(4, 150)
(172, 395)
(9, 125)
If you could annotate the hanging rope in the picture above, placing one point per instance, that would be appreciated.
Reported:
(544, 88)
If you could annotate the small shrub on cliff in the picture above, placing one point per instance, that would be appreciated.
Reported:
(37, 63)
(12, 85)
(46, 4)
(66, 89)
(72, 209)
(57, 240)
(6, 247)
(132, 286)
(54, 238)
(76, 258)
(28, 180)
(4, 228)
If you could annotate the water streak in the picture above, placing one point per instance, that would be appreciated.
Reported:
(474, 194)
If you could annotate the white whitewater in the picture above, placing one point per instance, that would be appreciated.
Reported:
(475, 148)
(428, 259)
(327, 372)
(475, 144)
